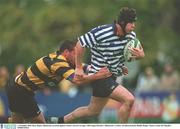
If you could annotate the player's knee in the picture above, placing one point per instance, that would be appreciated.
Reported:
(130, 101)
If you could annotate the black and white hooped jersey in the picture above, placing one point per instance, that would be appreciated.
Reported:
(106, 48)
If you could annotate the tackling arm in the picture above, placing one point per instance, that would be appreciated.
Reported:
(102, 73)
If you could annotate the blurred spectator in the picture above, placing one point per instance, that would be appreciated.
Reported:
(170, 108)
(4, 77)
(18, 69)
(170, 79)
(147, 81)
(2, 110)
(3, 118)
(68, 88)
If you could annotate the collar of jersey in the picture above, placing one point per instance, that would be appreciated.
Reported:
(62, 57)
(114, 27)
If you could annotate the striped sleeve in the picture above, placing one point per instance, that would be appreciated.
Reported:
(62, 69)
(88, 40)
(131, 35)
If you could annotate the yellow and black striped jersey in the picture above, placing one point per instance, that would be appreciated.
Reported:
(46, 71)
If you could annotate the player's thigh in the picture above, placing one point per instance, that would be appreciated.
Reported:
(97, 103)
(121, 94)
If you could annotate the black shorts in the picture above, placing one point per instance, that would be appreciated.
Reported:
(104, 87)
(22, 101)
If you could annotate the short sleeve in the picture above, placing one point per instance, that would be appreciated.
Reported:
(88, 40)
(131, 35)
(62, 69)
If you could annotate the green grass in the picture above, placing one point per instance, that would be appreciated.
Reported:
(131, 120)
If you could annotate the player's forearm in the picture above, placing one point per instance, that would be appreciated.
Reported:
(78, 56)
(90, 78)
(87, 79)
(96, 76)
(102, 73)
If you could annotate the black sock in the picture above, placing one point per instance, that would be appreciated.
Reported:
(61, 120)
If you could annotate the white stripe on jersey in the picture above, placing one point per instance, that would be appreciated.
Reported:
(88, 39)
(105, 35)
(83, 41)
(98, 63)
(101, 31)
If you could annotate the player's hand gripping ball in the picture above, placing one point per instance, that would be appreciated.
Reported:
(133, 43)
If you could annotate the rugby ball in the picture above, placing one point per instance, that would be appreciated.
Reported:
(133, 43)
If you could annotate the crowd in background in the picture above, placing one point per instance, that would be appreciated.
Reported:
(148, 80)
(169, 80)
